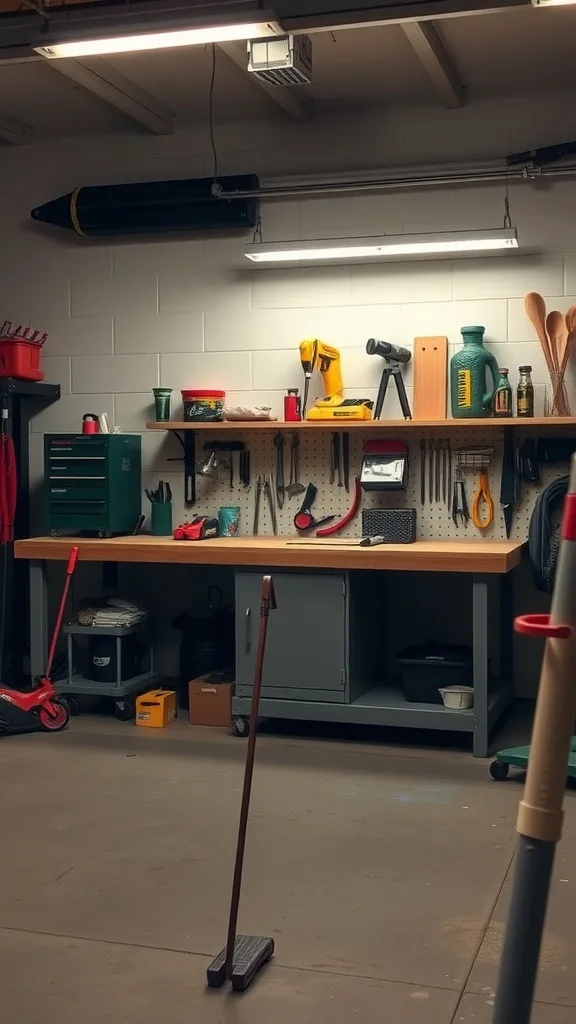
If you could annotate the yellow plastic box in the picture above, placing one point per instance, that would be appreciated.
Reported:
(156, 709)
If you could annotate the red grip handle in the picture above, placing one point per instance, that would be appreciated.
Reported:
(540, 625)
(72, 561)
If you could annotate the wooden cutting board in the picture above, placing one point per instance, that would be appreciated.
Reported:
(430, 378)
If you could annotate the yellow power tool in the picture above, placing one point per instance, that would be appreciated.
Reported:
(316, 355)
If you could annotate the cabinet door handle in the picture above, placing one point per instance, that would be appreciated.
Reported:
(248, 629)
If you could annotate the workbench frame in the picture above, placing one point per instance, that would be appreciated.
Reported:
(375, 706)
(384, 706)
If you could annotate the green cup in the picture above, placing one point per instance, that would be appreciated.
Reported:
(161, 519)
(162, 403)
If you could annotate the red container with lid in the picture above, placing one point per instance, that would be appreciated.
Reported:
(203, 405)
(20, 359)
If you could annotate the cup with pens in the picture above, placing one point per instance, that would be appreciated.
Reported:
(161, 501)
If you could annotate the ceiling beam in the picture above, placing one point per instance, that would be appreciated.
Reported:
(295, 17)
(434, 57)
(290, 98)
(104, 81)
(14, 131)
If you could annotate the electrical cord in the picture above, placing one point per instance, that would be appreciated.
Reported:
(544, 533)
(211, 114)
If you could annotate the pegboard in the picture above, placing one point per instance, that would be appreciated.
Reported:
(434, 519)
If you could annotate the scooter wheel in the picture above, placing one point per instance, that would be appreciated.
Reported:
(57, 721)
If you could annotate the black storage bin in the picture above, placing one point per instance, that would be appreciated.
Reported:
(427, 667)
(101, 661)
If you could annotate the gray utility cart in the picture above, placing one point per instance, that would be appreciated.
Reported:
(122, 691)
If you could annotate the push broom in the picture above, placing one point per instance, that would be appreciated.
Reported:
(540, 814)
(244, 955)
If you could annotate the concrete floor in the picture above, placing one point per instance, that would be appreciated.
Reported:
(383, 875)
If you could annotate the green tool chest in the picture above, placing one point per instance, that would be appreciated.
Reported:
(92, 482)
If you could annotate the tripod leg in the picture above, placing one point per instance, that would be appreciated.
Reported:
(402, 396)
(382, 392)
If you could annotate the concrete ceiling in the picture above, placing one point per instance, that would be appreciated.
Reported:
(515, 52)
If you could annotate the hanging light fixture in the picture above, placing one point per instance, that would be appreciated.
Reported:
(383, 247)
(247, 21)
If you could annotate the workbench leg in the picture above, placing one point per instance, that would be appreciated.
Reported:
(480, 664)
(38, 618)
(507, 630)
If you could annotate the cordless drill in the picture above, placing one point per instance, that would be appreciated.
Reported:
(316, 355)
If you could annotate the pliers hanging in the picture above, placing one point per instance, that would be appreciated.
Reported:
(460, 510)
(264, 486)
(483, 505)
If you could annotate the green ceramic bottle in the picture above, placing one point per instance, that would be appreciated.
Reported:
(468, 394)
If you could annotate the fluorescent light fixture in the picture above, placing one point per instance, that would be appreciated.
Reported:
(158, 40)
(384, 246)
(553, 3)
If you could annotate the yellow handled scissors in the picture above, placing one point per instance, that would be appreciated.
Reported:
(483, 506)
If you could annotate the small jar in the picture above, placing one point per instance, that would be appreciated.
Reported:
(502, 402)
(525, 393)
(203, 406)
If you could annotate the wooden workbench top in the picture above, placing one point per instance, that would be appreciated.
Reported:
(480, 556)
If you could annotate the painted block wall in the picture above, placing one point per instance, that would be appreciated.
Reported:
(126, 317)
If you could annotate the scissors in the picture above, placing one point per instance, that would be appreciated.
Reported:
(483, 506)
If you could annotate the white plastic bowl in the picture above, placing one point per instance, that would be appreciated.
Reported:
(457, 698)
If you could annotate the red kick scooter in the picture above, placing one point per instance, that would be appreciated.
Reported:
(42, 707)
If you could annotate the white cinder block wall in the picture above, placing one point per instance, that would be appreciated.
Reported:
(123, 318)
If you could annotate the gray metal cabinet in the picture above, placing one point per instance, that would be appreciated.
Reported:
(307, 636)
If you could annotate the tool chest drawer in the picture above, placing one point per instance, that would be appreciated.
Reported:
(88, 490)
(67, 468)
(92, 482)
(306, 642)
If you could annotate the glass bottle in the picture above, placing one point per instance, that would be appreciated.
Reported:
(502, 402)
(525, 393)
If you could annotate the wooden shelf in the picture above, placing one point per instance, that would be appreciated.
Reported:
(374, 426)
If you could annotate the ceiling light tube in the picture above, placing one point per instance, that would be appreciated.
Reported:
(383, 247)
(553, 3)
(158, 40)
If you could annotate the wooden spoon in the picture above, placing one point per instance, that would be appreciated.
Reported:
(558, 334)
(571, 319)
(570, 337)
(536, 311)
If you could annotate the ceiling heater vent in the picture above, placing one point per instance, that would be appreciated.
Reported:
(281, 60)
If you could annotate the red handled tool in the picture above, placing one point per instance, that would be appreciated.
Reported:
(42, 707)
(201, 528)
(353, 511)
(304, 520)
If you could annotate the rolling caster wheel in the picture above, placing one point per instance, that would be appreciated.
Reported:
(73, 706)
(499, 770)
(103, 533)
(125, 710)
(241, 725)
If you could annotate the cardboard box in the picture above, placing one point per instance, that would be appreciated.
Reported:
(156, 709)
(210, 701)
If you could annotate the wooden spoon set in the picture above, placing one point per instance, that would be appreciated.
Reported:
(557, 336)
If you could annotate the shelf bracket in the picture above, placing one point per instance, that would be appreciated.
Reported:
(187, 439)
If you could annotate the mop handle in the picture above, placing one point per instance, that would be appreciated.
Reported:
(540, 813)
(73, 558)
(268, 603)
